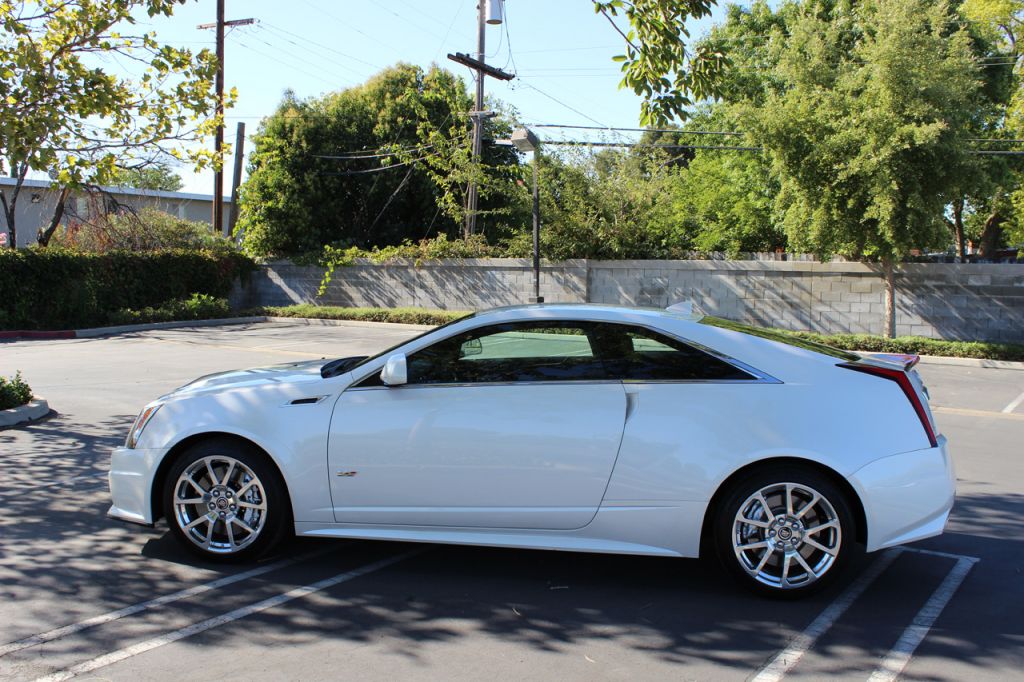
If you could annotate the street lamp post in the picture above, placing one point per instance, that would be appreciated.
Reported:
(526, 141)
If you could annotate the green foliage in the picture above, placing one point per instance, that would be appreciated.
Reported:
(156, 176)
(396, 315)
(59, 289)
(196, 307)
(868, 136)
(657, 65)
(609, 205)
(403, 136)
(426, 249)
(919, 345)
(14, 392)
(148, 230)
(64, 112)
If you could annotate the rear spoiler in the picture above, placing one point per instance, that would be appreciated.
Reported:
(901, 361)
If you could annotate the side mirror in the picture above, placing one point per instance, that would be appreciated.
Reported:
(395, 372)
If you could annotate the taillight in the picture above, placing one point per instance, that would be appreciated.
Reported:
(901, 378)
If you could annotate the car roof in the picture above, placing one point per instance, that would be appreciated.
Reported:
(578, 311)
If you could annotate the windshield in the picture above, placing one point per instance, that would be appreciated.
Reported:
(402, 343)
(788, 338)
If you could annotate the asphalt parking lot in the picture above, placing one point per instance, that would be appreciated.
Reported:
(84, 596)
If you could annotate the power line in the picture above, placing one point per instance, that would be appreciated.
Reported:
(584, 143)
(320, 45)
(305, 51)
(357, 155)
(638, 130)
(351, 26)
(569, 107)
(447, 33)
(277, 59)
(368, 171)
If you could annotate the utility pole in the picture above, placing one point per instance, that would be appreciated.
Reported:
(236, 179)
(218, 139)
(490, 12)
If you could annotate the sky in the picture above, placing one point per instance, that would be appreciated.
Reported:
(560, 51)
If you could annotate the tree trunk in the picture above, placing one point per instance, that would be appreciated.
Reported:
(9, 221)
(9, 215)
(890, 297)
(58, 214)
(958, 230)
(990, 235)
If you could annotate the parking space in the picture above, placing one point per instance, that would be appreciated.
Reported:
(84, 596)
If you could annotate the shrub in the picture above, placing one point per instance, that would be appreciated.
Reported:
(14, 392)
(196, 307)
(60, 289)
(147, 230)
(397, 315)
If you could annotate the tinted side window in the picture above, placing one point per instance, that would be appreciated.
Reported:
(555, 351)
(638, 354)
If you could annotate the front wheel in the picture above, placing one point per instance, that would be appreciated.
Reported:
(785, 531)
(225, 502)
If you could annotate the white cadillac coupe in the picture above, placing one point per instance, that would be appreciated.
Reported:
(571, 427)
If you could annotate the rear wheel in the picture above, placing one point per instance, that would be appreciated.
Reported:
(225, 502)
(785, 531)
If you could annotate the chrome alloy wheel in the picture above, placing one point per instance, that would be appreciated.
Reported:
(219, 504)
(786, 535)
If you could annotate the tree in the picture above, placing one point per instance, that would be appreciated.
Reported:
(869, 134)
(157, 176)
(372, 165)
(657, 64)
(64, 114)
(990, 202)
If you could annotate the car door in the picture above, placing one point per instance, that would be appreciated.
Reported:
(508, 426)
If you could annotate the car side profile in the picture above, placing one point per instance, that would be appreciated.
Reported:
(569, 427)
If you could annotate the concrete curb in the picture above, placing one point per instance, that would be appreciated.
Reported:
(34, 409)
(971, 362)
(128, 328)
(317, 321)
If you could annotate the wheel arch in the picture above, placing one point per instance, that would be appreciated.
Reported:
(746, 470)
(160, 478)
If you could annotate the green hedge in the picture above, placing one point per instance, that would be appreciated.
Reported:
(56, 289)
(397, 315)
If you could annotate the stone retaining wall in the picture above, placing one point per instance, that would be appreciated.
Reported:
(941, 300)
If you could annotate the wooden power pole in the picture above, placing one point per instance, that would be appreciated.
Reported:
(218, 139)
(236, 179)
(482, 69)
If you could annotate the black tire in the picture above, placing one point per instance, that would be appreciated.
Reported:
(272, 524)
(782, 534)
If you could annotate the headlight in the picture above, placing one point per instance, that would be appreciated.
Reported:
(140, 424)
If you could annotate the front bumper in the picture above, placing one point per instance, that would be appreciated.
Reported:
(131, 484)
(906, 497)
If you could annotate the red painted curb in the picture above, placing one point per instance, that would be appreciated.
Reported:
(31, 334)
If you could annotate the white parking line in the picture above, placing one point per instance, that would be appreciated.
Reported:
(217, 621)
(784, 661)
(1014, 405)
(66, 630)
(896, 660)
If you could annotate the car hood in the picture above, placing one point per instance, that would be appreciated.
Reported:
(291, 373)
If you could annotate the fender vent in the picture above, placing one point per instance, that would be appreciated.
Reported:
(308, 401)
